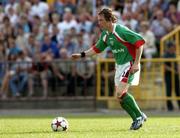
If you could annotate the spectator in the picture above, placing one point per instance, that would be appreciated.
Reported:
(85, 24)
(49, 48)
(109, 74)
(68, 44)
(19, 80)
(68, 22)
(13, 48)
(2, 14)
(7, 28)
(10, 4)
(149, 46)
(57, 7)
(86, 6)
(85, 36)
(39, 68)
(33, 46)
(2, 60)
(14, 18)
(55, 20)
(37, 33)
(81, 45)
(129, 21)
(163, 5)
(21, 39)
(173, 15)
(160, 27)
(23, 7)
(24, 22)
(84, 73)
(67, 69)
(39, 8)
(10, 71)
(171, 72)
(70, 5)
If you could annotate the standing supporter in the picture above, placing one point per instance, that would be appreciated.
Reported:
(171, 72)
(149, 46)
(160, 26)
(109, 74)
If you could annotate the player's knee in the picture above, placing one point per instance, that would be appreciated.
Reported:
(119, 94)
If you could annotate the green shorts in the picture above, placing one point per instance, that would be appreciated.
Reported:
(123, 75)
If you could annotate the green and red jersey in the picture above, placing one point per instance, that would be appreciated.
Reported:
(122, 41)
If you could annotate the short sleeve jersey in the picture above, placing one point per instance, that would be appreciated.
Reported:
(122, 41)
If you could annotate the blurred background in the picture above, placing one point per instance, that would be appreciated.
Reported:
(37, 38)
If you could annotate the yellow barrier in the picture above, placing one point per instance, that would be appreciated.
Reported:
(174, 35)
(152, 84)
(152, 80)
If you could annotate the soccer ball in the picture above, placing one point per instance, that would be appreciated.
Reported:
(59, 124)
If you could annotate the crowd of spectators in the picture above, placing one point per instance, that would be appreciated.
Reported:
(40, 31)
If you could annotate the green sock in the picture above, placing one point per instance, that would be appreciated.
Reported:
(130, 101)
(128, 110)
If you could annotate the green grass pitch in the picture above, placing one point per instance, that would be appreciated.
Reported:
(89, 127)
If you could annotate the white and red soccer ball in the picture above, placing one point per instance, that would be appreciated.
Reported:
(59, 124)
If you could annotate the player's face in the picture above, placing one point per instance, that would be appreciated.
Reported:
(102, 22)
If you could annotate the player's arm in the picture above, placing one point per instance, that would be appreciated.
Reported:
(138, 55)
(89, 52)
(95, 49)
(135, 67)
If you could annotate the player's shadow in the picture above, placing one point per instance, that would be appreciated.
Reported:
(73, 131)
(21, 133)
(98, 131)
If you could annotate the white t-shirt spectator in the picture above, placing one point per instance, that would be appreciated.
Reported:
(40, 9)
(65, 26)
(14, 5)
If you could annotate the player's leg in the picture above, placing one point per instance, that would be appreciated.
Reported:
(133, 79)
(122, 82)
(5, 84)
(129, 104)
(177, 88)
(44, 81)
(168, 83)
(14, 86)
(31, 84)
(23, 81)
(120, 91)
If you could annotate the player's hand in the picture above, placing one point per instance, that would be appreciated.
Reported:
(76, 56)
(134, 68)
